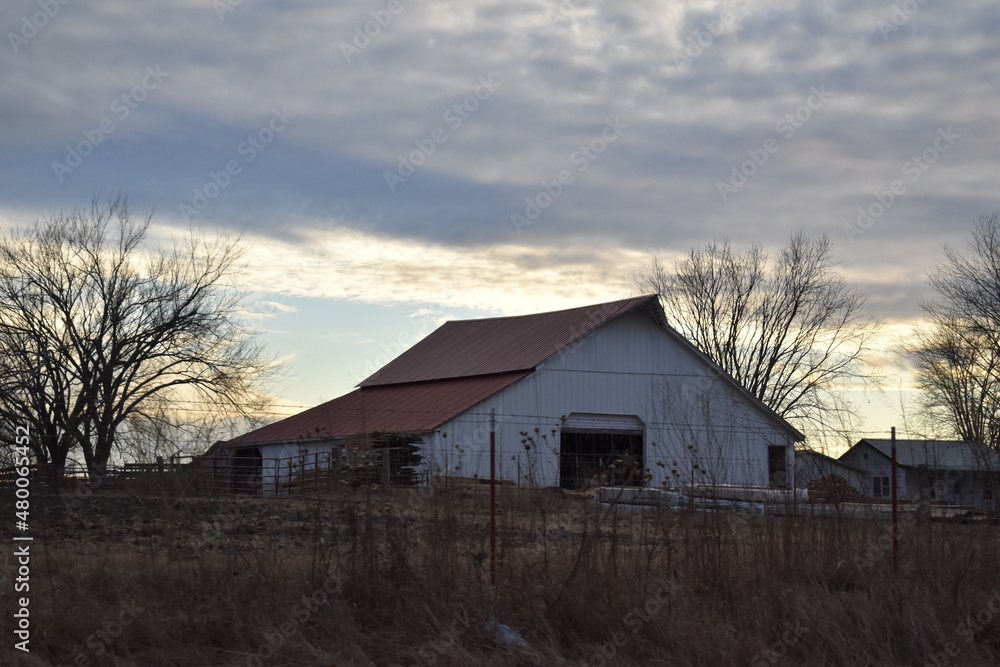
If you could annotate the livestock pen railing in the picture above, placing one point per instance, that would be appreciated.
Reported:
(310, 473)
(49, 478)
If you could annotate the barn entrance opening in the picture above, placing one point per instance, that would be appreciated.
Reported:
(777, 468)
(601, 450)
(246, 470)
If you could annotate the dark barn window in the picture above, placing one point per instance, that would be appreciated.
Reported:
(777, 468)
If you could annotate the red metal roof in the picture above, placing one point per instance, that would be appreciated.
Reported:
(466, 348)
(400, 407)
(460, 364)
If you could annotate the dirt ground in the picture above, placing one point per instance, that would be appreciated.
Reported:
(406, 579)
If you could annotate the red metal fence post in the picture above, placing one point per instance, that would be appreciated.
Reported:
(895, 514)
(493, 499)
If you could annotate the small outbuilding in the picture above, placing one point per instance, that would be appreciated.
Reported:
(602, 394)
(812, 466)
(953, 472)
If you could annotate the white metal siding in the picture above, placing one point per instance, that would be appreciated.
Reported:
(697, 426)
(273, 453)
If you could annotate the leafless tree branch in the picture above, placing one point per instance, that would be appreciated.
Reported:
(957, 359)
(95, 324)
(790, 330)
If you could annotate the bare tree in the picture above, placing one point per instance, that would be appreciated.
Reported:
(957, 368)
(789, 331)
(95, 324)
(957, 359)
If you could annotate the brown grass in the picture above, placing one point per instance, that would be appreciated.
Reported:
(132, 580)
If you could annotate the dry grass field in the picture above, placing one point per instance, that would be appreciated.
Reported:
(366, 578)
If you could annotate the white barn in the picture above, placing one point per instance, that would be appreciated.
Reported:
(608, 393)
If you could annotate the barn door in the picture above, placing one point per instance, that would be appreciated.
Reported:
(246, 470)
(601, 450)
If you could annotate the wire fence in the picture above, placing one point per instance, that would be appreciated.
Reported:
(584, 471)
(316, 472)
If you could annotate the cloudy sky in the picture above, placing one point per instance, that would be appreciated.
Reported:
(392, 163)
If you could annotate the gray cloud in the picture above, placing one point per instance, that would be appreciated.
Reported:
(563, 70)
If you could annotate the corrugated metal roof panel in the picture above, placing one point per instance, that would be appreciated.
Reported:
(404, 407)
(939, 454)
(465, 348)
(586, 421)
